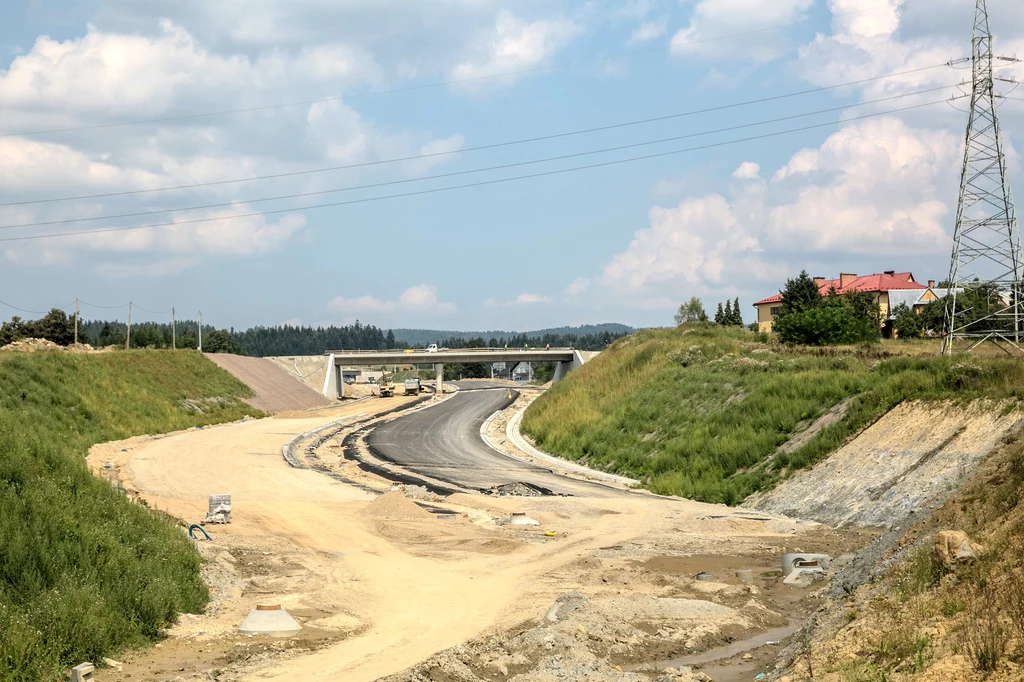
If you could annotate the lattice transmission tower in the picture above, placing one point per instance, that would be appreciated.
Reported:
(986, 297)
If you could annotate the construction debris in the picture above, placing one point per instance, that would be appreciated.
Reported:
(219, 509)
(953, 547)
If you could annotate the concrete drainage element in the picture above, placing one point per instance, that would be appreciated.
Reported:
(82, 672)
(521, 519)
(269, 619)
(804, 576)
(706, 577)
(745, 575)
(793, 561)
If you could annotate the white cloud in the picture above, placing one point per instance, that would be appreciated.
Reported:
(648, 31)
(873, 190)
(521, 300)
(417, 299)
(578, 286)
(715, 18)
(515, 44)
(747, 171)
(104, 76)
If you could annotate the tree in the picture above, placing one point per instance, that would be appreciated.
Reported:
(719, 315)
(691, 311)
(737, 315)
(828, 320)
(799, 294)
(390, 339)
(55, 326)
(907, 323)
(727, 316)
(220, 341)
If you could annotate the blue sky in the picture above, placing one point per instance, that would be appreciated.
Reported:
(624, 243)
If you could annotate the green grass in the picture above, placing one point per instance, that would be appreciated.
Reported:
(700, 411)
(85, 572)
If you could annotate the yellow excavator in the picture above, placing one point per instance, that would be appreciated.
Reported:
(385, 384)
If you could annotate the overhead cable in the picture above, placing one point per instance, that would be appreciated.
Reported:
(388, 183)
(136, 306)
(103, 307)
(481, 183)
(496, 145)
(410, 88)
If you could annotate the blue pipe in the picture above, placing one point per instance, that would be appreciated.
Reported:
(194, 527)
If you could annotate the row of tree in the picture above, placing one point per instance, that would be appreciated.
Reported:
(59, 328)
(728, 315)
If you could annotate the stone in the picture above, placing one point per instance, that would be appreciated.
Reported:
(955, 547)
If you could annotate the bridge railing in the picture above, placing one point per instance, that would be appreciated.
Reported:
(424, 351)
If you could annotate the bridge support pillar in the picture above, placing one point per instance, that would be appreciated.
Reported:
(334, 384)
(561, 369)
(439, 389)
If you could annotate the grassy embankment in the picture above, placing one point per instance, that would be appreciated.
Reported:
(702, 412)
(84, 571)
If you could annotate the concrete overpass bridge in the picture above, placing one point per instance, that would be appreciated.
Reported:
(565, 359)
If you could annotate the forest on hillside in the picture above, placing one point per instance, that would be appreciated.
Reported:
(59, 327)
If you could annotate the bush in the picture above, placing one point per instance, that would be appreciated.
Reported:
(907, 324)
(808, 318)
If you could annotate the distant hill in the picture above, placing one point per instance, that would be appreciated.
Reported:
(423, 337)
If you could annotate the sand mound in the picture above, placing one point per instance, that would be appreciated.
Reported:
(31, 345)
(395, 505)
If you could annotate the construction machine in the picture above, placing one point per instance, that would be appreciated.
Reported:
(385, 384)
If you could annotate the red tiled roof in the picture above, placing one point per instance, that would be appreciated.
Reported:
(879, 283)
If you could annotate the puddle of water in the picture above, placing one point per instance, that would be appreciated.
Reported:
(728, 651)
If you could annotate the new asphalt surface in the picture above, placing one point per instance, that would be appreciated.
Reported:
(444, 443)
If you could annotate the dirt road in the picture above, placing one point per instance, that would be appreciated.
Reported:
(380, 584)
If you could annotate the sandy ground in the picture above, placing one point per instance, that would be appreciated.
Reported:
(381, 585)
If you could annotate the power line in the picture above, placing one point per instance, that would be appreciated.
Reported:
(470, 185)
(519, 72)
(33, 312)
(439, 176)
(419, 157)
(152, 312)
(103, 307)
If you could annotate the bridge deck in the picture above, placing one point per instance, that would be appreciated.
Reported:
(458, 356)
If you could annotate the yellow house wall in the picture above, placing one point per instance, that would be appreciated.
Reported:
(764, 317)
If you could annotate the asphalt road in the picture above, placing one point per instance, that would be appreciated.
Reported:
(444, 443)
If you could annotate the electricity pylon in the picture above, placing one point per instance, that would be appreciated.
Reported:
(985, 301)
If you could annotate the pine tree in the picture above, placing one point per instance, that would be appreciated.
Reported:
(727, 317)
(737, 316)
(719, 315)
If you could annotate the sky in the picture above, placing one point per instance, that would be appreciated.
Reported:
(789, 135)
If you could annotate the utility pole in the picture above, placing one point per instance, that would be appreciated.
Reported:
(985, 300)
(128, 337)
(174, 339)
(200, 331)
(76, 321)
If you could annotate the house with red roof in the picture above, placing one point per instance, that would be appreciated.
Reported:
(890, 288)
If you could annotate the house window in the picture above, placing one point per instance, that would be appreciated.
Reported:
(775, 310)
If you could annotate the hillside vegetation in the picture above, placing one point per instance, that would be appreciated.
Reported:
(84, 571)
(930, 618)
(702, 411)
